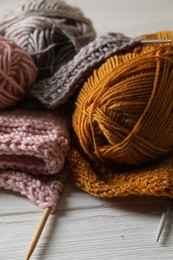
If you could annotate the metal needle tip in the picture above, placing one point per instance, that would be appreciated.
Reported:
(155, 41)
(162, 222)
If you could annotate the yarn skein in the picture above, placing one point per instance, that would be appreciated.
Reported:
(124, 111)
(91, 170)
(17, 72)
(51, 31)
(56, 90)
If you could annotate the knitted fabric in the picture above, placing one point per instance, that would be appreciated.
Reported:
(44, 192)
(33, 146)
(107, 182)
(55, 90)
(49, 30)
(34, 141)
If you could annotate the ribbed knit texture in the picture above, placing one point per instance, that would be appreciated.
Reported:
(103, 181)
(44, 192)
(54, 91)
(33, 147)
(33, 141)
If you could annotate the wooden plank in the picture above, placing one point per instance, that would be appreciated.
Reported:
(110, 232)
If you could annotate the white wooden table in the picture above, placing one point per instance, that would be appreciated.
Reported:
(84, 227)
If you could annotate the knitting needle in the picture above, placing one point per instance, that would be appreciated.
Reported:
(168, 209)
(162, 222)
(155, 41)
(38, 232)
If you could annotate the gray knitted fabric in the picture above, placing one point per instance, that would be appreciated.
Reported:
(49, 30)
(54, 91)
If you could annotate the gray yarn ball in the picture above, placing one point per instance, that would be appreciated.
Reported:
(51, 31)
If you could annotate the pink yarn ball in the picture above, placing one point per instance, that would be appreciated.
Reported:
(17, 73)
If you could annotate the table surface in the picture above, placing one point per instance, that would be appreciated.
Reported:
(85, 227)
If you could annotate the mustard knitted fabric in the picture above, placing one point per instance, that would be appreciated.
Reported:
(123, 116)
(101, 181)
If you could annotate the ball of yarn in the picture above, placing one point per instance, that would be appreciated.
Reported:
(17, 73)
(51, 31)
(124, 111)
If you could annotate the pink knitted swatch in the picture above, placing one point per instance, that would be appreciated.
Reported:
(33, 146)
(36, 142)
(44, 192)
